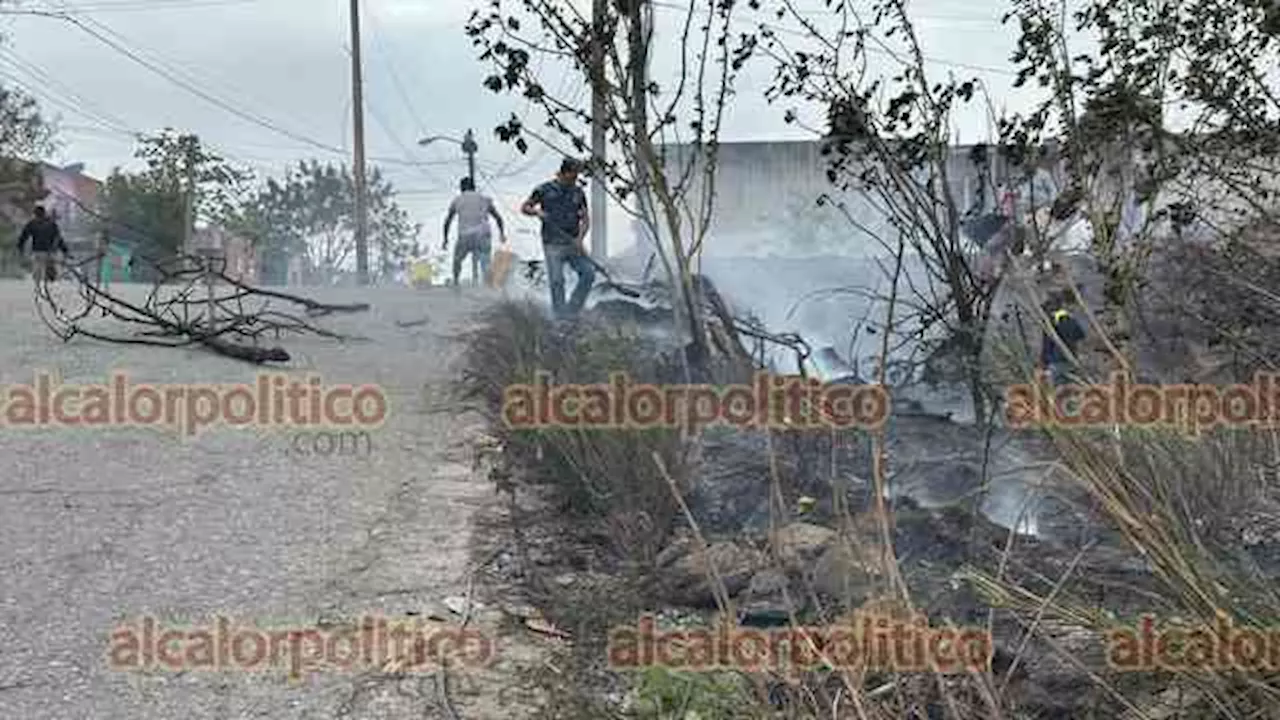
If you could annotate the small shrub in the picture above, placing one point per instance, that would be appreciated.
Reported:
(603, 475)
(662, 694)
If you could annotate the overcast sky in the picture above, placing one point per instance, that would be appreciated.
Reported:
(285, 63)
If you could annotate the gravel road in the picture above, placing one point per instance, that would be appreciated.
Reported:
(100, 527)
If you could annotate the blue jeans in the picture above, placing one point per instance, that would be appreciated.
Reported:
(557, 256)
(1060, 373)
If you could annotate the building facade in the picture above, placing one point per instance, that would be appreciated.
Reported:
(75, 202)
(72, 198)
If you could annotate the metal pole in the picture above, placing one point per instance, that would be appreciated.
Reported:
(357, 112)
(469, 148)
(599, 142)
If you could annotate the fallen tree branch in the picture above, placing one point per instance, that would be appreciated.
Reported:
(174, 315)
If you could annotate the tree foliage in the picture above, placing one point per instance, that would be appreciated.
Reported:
(26, 135)
(663, 136)
(25, 132)
(1156, 106)
(1168, 106)
(310, 212)
(889, 159)
(150, 206)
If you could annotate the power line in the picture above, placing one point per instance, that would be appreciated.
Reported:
(422, 126)
(192, 74)
(874, 51)
(188, 86)
(386, 128)
(104, 123)
(375, 25)
(137, 5)
(192, 78)
(239, 157)
(167, 75)
(77, 104)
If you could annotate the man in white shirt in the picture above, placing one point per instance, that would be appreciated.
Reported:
(473, 211)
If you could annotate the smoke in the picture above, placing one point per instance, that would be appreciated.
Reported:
(828, 300)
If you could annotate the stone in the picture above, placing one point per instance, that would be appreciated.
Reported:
(523, 611)
(764, 603)
(840, 573)
(457, 605)
(798, 544)
(689, 580)
(678, 547)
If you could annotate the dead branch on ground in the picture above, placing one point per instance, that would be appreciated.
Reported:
(187, 305)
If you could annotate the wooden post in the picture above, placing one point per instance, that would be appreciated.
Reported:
(357, 111)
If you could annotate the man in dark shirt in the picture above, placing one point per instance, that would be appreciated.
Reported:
(46, 239)
(562, 206)
(1069, 331)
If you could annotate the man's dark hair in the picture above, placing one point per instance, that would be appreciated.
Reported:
(467, 184)
(570, 165)
(39, 211)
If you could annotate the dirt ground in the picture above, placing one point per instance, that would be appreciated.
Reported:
(102, 526)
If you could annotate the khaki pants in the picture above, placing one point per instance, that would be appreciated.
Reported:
(43, 266)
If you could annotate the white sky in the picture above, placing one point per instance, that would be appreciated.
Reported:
(286, 62)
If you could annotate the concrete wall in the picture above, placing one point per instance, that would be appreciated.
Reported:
(766, 201)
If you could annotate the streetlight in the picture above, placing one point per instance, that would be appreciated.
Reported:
(468, 143)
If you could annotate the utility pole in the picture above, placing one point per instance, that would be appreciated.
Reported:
(206, 250)
(469, 148)
(188, 151)
(599, 141)
(357, 121)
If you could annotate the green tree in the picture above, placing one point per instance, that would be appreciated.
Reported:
(270, 219)
(150, 208)
(26, 134)
(311, 212)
